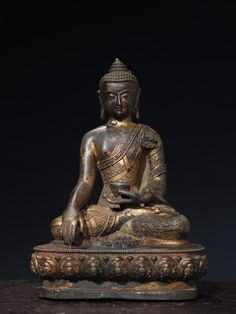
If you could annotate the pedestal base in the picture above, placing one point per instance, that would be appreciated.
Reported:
(146, 274)
(111, 290)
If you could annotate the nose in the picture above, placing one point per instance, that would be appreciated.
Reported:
(118, 103)
(118, 100)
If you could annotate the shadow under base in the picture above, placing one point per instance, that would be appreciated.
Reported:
(134, 273)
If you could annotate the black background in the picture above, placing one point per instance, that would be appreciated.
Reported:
(53, 55)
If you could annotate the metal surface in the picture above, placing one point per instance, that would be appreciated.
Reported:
(21, 296)
(132, 233)
(111, 290)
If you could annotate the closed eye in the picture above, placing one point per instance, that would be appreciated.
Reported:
(110, 96)
(125, 96)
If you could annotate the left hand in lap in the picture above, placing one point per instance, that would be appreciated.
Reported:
(127, 198)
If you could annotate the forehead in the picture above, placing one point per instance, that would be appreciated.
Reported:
(118, 86)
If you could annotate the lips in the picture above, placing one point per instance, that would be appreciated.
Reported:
(118, 109)
(119, 112)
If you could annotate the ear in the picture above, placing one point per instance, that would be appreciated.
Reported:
(102, 114)
(136, 109)
(99, 96)
(138, 95)
(137, 112)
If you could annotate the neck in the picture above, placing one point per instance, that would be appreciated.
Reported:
(125, 122)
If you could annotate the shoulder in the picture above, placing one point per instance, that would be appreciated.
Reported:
(93, 134)
(150, 138)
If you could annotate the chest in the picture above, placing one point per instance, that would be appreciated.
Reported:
(111, 142)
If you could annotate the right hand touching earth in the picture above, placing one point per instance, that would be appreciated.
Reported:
(71, 220)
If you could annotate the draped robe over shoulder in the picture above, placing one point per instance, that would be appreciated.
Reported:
(137, 160)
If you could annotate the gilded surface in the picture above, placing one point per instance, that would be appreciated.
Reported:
(145, 265)
(132, 212)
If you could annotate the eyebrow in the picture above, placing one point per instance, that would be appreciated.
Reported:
(116, 91)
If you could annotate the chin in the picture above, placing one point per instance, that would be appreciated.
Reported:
(120, 115)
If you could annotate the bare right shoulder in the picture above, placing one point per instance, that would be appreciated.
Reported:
(95, 133)
(93, 139)
(94, 136)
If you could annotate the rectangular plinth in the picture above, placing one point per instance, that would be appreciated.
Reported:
(63, 289)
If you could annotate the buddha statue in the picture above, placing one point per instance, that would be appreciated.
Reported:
(132, 243)
(130, 159)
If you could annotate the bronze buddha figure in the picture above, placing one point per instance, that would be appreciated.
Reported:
(131, 213)
(124, 152)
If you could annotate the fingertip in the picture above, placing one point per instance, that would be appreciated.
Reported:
(122, 192)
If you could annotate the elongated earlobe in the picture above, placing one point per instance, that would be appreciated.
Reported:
(102, 114)
(137, 112)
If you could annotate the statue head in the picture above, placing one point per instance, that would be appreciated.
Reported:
(119, 92)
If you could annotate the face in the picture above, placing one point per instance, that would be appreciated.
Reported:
(119, 99)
